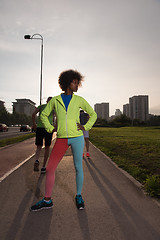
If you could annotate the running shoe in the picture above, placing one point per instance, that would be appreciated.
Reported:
(79, 202)
(43, 170)
(87, 154)
(42, 204)
(36, 166)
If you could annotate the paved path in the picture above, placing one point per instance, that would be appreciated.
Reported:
(13, 155)
(116, 207)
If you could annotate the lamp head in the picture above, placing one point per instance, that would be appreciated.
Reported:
(27, 37)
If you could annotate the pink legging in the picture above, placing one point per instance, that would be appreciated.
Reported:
(60, 147)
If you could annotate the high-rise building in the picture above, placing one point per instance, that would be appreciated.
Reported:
(102, 110)
(138, 107)
(126, 109)
(25, 106)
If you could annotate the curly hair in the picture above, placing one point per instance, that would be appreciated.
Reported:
(67, 77)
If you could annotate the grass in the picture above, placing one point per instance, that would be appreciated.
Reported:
(135, 149)
(8, 141)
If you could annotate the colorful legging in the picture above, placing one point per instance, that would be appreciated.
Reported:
(60, 147)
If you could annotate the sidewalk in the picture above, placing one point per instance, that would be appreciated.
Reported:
(115, 206)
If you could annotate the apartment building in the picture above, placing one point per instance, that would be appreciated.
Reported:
(126, 109)
(24, 106)
(102, 110)
(137, 108)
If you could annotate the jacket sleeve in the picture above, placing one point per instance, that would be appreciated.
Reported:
(45, 113)
(92, 114)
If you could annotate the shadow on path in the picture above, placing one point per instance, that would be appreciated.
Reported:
(15, 226)
(128, 219)
(36, 225)
(83, 222)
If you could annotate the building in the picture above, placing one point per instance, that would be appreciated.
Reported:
(126, 109)
(118, 113)
(139, 107)
(102, 110)
(24, 106)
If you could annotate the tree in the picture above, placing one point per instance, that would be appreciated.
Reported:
(121, 121)
(14, 118)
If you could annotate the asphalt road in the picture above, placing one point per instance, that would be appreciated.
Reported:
(13, 155)
(116, 207)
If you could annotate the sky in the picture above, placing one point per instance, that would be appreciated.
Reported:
(114, 44)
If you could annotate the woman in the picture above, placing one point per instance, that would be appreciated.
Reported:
(69, 133)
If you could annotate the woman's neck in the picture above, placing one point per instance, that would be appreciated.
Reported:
(68, 92)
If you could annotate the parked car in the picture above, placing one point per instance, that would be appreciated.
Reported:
(25, 128)
(3, 127)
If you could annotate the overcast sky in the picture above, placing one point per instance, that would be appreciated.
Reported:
(115, 44)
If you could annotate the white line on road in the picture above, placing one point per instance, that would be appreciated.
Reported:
(15, 168)
(20, 164)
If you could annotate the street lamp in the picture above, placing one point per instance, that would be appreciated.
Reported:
(38, 37)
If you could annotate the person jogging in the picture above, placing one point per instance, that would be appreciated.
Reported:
(42, 134)
(69, 133)
(83, 120)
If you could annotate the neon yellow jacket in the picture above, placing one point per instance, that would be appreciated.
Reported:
(66, 120)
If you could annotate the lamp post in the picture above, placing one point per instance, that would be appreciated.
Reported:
(38, 37)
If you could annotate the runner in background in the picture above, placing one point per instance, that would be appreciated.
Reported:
(84, 117)
(42, 134)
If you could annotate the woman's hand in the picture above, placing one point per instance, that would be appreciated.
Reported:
(55, 127)
(80, 127)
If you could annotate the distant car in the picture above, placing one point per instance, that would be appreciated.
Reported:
(3, 127)
(25, 128)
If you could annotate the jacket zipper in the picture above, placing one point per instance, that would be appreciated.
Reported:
(66, 125)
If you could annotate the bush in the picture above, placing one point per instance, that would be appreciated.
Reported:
(152, 185)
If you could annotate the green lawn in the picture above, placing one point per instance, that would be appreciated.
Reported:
(135, 149)
(8, 141)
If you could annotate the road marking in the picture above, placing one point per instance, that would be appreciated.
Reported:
(20, 164)
(15, 168)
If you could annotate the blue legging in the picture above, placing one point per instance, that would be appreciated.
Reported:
(60, 147)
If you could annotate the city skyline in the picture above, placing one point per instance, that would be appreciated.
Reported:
(138, 104)
(114, 44)
(137, 108)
